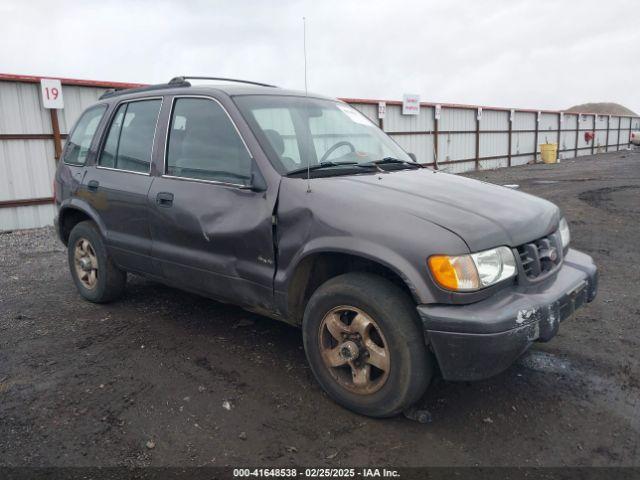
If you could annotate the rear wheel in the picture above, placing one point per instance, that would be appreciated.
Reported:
(97, 278)
(364, 344)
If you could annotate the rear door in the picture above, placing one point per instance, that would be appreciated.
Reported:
(210, 233)
(118, 184)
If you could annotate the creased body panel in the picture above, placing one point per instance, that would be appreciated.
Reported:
(216, 240)
(331, 218)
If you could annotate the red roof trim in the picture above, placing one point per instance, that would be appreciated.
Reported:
(9, 77)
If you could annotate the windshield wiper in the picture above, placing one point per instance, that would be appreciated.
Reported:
(322, 165)
(392, 161)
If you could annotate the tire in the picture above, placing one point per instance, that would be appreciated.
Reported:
(388, 318)
(97, 278)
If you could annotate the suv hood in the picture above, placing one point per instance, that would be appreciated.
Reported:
(482, 214)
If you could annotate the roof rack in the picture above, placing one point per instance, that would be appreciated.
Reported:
(183, 79)
(112, 92)
(176, 82)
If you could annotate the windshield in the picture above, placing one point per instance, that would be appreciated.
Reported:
(301, 131)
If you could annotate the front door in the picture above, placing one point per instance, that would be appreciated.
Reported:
(210, 233)
(118, 184)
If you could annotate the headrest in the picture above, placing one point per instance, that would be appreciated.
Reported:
(276, 141)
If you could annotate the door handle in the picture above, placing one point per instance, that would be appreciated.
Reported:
(164, 199)
(93, 185)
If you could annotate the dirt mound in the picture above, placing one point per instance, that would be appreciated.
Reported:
(606, 108)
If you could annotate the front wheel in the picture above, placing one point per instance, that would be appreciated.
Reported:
(365, 346)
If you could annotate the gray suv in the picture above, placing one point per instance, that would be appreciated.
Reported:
(299, 208)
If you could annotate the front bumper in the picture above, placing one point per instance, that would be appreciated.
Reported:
(482, 339)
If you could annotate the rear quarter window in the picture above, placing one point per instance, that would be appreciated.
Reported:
(77, 147)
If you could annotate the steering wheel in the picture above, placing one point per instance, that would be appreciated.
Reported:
(343, 143)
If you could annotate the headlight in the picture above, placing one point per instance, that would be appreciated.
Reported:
(465, 273)
(565, 235)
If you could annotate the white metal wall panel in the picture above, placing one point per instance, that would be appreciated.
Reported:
(28, 168)
(20, 109)
(584, 153)
(494, 120)
(31, 216)
(524, 121)
(615, 121)
(420, 145)
(581, 139)
(456, 146)
(394, 121)
(613, 135)
(568, 142)
(76, 100)
(569, 121)
(636, 124)
(548, 121)
(368, 110)
(550, 136)
(601, 121)
(522, 142)
(457, 119)
(600, 140)
(587, 122)
(492, 144)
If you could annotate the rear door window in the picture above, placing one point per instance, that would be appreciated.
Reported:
(79, 142)
(204, 144)
(130, 138)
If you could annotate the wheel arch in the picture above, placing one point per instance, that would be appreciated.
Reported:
(73, 213)
(315, 268)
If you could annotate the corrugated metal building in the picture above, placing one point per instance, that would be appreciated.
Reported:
(460, 138)
(470, 137)
(30, 141)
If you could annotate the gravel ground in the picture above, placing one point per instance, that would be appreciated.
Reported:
(164, 378)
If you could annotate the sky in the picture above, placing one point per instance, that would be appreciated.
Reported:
(547, 54)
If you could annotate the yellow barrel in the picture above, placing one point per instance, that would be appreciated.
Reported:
(549, 152)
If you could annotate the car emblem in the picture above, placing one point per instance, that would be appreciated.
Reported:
(553, 254)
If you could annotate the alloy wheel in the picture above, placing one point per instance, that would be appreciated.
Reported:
(354, 350)
(86, 263)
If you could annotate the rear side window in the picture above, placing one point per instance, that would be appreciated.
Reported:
(80, 140)
(204, 144)
(130, 138)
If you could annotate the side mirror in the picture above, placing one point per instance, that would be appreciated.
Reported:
(257, 182)
(413, 157)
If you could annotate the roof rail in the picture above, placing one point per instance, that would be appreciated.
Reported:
(108, 93)
(112, 92)
(183, 79)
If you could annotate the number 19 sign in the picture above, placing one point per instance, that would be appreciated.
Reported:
(51, 90)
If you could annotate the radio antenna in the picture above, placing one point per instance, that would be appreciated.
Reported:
(306, 91)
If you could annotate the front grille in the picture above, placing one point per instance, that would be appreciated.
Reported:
(540, 256)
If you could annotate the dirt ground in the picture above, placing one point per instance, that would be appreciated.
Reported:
(166, 378)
